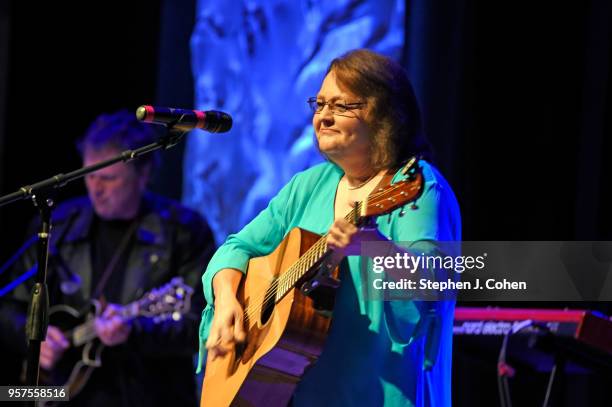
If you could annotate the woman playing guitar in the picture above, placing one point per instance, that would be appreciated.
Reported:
(367, 125)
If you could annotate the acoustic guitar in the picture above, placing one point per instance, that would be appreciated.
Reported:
(74, 369)
(287, 298)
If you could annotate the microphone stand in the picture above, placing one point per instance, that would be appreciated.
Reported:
(41, 194)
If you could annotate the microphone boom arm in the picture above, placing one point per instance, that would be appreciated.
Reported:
(45, 187)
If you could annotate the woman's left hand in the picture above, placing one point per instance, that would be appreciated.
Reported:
(345, 238)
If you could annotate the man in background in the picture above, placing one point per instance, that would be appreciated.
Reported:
(114, 246)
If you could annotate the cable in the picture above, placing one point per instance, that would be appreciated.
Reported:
(504, 369)
(551, 379)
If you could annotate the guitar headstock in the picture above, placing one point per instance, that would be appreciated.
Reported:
(170, 301)
(385, 200)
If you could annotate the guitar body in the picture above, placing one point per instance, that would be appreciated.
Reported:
(282, 340)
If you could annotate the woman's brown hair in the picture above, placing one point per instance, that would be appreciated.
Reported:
(393, 112)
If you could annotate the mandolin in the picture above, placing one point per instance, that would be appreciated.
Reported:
(74, 369)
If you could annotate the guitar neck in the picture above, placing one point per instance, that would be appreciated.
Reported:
(382, 200)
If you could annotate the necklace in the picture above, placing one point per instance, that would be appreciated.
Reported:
(350, 188)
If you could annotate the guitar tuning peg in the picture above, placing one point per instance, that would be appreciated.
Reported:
(409, 165)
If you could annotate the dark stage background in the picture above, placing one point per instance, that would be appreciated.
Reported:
(516, 100)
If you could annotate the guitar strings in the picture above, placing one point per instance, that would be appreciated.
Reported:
(320, 247)
(294, 273)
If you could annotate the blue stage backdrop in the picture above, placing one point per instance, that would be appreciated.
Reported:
(259, 61)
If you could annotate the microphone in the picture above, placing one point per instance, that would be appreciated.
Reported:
(184, 119)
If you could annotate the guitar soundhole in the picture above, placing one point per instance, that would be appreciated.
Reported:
(268, 304)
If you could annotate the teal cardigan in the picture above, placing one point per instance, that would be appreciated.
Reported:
(391, 353)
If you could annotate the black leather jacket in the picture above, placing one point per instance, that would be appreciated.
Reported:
(155, 365)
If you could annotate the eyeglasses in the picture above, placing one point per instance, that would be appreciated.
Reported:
(336, 107)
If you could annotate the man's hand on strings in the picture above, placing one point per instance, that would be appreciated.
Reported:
(112, 328)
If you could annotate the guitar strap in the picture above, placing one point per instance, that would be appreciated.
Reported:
(112, 264)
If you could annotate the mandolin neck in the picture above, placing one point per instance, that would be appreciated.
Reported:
(86, 331)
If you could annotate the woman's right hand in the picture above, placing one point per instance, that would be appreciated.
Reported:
(227, 327)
